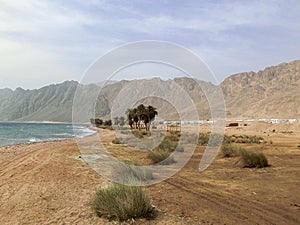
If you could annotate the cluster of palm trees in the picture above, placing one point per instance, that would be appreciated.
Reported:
(145, 114)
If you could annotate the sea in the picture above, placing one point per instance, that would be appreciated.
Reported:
(12, 133)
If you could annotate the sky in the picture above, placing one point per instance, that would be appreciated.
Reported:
(50, 41)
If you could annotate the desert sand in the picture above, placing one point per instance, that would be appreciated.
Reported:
(47, 183)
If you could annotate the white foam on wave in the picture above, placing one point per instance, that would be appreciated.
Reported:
(81, 132)
(33, 139)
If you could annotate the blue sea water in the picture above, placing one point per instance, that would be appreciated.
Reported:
(19, 133)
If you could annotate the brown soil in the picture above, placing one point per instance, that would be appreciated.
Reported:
(46, 183)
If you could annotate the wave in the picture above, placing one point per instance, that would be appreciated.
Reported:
(32, 133)
(83, 132)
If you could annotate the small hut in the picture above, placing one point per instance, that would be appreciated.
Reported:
(173, 127)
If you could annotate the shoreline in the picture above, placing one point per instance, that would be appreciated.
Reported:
(50, 141)
(264, 128)
(34, 143)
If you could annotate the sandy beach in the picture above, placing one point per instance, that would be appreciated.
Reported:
(47, 183)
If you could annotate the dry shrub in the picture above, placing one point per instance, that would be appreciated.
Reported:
(253, 159)
(162, 157)
(231, 150)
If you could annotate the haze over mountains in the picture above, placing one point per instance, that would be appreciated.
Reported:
(271, 93)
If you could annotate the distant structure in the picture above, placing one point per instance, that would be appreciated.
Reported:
(271, 120)
(233, 125)
(173, 127)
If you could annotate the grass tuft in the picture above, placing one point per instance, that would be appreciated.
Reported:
(253, 159)
(167, 145)
(215, 139)
(121, 202)
(231, 150)
(162, 157)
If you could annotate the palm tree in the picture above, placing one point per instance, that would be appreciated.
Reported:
(129, 113)
(151, 113)
(135, 117)
(141, 114)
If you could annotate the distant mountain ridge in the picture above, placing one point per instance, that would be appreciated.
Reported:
(50, 103)
(270, 93)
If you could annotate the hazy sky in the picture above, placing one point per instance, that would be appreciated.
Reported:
(49, 41)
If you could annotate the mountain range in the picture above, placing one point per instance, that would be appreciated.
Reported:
(270, 93)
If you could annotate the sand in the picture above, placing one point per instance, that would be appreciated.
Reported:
(47, 183)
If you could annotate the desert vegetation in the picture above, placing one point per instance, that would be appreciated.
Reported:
(132, 172)
(243, 139)
(230, 150)
(104, 124)
(248, 158)
(141, 134)
(253, 159)
(121, 202)
(161, 154)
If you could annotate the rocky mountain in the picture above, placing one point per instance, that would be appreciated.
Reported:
(51, 103)
(271, 93)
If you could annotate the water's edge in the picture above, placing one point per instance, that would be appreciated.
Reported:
(19, 133)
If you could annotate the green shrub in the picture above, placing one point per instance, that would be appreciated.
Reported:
(215, 139)
(116, 141)
(173, 137)
(231, 150)
(121, 202)
(161, 157)
(253, 159)
(250, 139)
(132, 162)
(167, 145)
(203, 138)
(228, 139)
